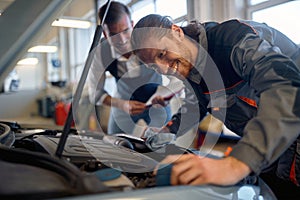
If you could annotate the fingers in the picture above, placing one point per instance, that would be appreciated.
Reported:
(188, 176)
(185, 170)
(135, 107)
(188, 169)
(175, 159)
(179, 172)
(159, 100)
(203, 170)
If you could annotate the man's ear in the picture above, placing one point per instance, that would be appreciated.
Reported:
(177, 32)
(132, 23)
(105, 31)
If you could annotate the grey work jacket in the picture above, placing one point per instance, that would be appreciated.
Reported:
(260, 94)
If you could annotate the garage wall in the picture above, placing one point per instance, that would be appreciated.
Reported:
(216, 10)
(20, 104)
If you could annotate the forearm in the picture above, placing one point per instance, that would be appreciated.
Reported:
(272, 131)
(196, 170)
(113, 102)
(275, 80)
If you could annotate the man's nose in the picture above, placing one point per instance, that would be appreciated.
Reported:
(122, 38)
(162, 67)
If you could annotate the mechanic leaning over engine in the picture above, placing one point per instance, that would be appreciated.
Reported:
(244, 73)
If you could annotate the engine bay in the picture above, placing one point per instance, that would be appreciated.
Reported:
(93, 152)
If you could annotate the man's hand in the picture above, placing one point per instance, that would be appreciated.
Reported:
(159, 100)
(190, 169)
(132, 107)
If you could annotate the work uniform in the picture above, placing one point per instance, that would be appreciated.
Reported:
(250, 79)
(134, 81)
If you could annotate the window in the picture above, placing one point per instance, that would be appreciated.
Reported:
(173, 8)
(284, 17)
(254, 2)
(176, 9)
(141, 9)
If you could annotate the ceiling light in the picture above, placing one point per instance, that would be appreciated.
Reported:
(43, 49)
(28, 61)
(71, 23)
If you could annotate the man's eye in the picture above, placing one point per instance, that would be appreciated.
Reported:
(112, 34)
(161, 54)
(127, 30)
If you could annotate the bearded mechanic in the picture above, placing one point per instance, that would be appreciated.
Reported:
(254, 89)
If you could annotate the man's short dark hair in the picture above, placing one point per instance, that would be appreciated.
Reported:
(116, 10)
